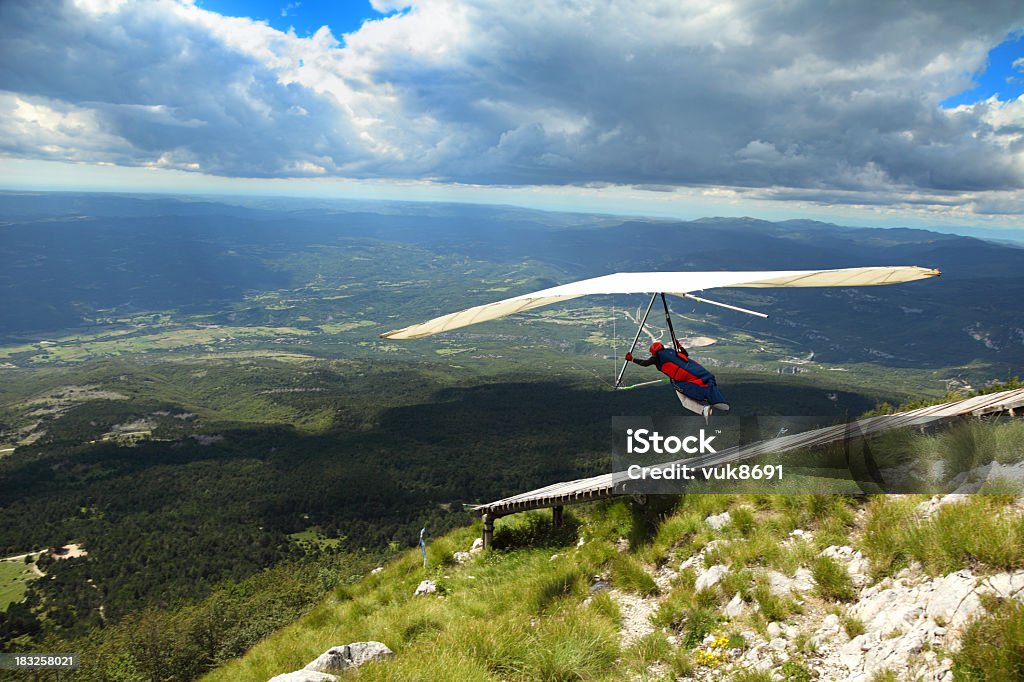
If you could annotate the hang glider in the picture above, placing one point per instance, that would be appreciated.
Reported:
(675, 283)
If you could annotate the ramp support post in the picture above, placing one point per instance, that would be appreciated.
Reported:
(488, 530)
(556, 516)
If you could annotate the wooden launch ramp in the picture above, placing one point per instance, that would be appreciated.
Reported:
(557, 495)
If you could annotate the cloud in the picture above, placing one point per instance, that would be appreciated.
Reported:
(803, 98)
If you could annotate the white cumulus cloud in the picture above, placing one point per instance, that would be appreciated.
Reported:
(802, 99)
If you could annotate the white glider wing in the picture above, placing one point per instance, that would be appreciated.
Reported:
(677, 283)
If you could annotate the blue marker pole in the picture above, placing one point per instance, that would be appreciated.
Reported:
(423, 546)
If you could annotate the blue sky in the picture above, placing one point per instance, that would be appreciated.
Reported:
(871, 112)
(342, 16)
(1000, 76)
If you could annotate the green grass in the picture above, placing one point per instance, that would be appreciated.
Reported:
(832, 579)
(629, 574)
(517, 614)
(751, 676)
(852, 626)
(773, 606)
(14, 579)
(993, 645)
(975, 532)
(511, 615)
(647, 651)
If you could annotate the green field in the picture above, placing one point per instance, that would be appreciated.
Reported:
(314, 537)
(14, 579)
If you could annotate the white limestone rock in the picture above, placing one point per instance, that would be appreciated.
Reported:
(303, 676)
(711, 577)
(718, 521)
(735, 608)
(1006, 585)
(426, 587)
(954, 599)
(340, 658)
(856, 565)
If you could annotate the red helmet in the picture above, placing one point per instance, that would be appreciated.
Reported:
(656, 346)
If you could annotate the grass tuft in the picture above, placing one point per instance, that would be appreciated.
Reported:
(833, 579)
(958, 535)
(992, 647)
(629, 574)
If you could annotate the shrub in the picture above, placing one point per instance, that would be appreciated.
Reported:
(697, 625)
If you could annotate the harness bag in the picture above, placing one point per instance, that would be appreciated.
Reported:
(680, 368)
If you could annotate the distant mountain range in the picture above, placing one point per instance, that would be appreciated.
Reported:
(70, 257)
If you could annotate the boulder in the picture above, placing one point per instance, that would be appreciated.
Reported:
(339, 658)
(477, 546)
(718, 521)
(377, 570)
(426, 587)
(462, 557)
(710, 577)
(735, 608)
(782, 585)
(304, 676)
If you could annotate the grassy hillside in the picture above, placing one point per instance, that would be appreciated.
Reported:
(529, 609)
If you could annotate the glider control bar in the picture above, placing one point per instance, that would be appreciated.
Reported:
(725, 305)
(645, 383)
(639, 330)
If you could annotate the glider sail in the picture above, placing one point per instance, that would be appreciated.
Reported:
(675, 283)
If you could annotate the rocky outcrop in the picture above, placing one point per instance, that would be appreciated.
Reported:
(336, 660)
(782, 585)
(905, 620)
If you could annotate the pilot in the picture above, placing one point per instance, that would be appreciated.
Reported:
(688, 377)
